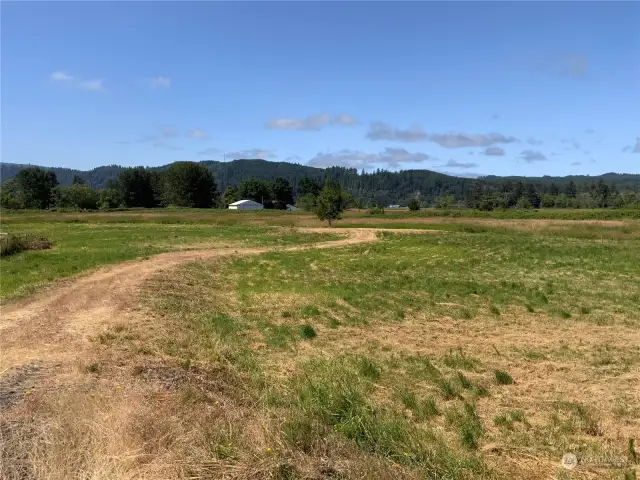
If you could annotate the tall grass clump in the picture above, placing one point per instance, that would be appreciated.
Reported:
(12, 243)
(330, 398)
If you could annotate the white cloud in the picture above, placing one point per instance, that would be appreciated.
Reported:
(531, 156)
(162, 82)
(61, 77)
(252, 153)
(456, 164)
(494, 151)
(90, 84)
(389, 157)
(197, 134)
(457, 140)
(344, 119)
(159, 139)
(311, 123)
(95, 85)
(382, 131)
(634, 149)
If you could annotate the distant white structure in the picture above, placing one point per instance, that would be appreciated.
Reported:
(393, 206)
(245, 205)
(291, 208)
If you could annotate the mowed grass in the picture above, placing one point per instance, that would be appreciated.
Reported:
(463, 355)
(486, 351)
(80, 246)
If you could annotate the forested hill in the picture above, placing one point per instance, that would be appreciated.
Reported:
(381, 186)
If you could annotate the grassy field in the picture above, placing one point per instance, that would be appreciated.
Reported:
(487, 348)
(79, 246)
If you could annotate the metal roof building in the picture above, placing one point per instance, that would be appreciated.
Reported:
(245, 205)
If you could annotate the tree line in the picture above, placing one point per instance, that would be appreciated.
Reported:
(486, 195)
(191, 184)
(183, 184)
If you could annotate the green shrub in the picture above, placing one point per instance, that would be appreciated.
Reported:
(14, 243)
(307, 331)
(376, 211)
(503, 378)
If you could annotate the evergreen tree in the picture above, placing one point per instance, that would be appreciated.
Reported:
(136, 189)
(308, 186)
(281, 192)
(77, 180)
(532, 195)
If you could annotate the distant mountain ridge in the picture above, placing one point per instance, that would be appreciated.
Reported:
(384, 186)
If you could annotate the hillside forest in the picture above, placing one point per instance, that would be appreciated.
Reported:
(275, 184)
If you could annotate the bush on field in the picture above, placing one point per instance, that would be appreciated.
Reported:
(15, 243)
(413, 204)
(376, 211)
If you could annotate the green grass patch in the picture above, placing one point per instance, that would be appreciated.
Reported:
(503, 378)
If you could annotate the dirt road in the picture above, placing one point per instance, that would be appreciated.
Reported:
(55, 327)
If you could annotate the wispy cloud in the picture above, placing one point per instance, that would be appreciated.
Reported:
(456, 164)
(382, 131)
(389, 157)
(533, 141)
(61, 77)
(571, 142)
(494, 151)
(573, 164)
(159, 139)
(160, 82)
(634, 149)
(456, 140)
(94, 84)
(589, 131)
(567, 65)
(211, 151)
(251, 153)
(311, 123)
(197, 134)
(531, 156)
(344, 119)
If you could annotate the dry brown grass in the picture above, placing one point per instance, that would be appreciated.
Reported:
(108, 401)
(132, 387)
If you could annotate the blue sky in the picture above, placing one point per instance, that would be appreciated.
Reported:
(504, 88)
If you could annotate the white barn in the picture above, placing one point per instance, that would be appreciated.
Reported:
(245, 205)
